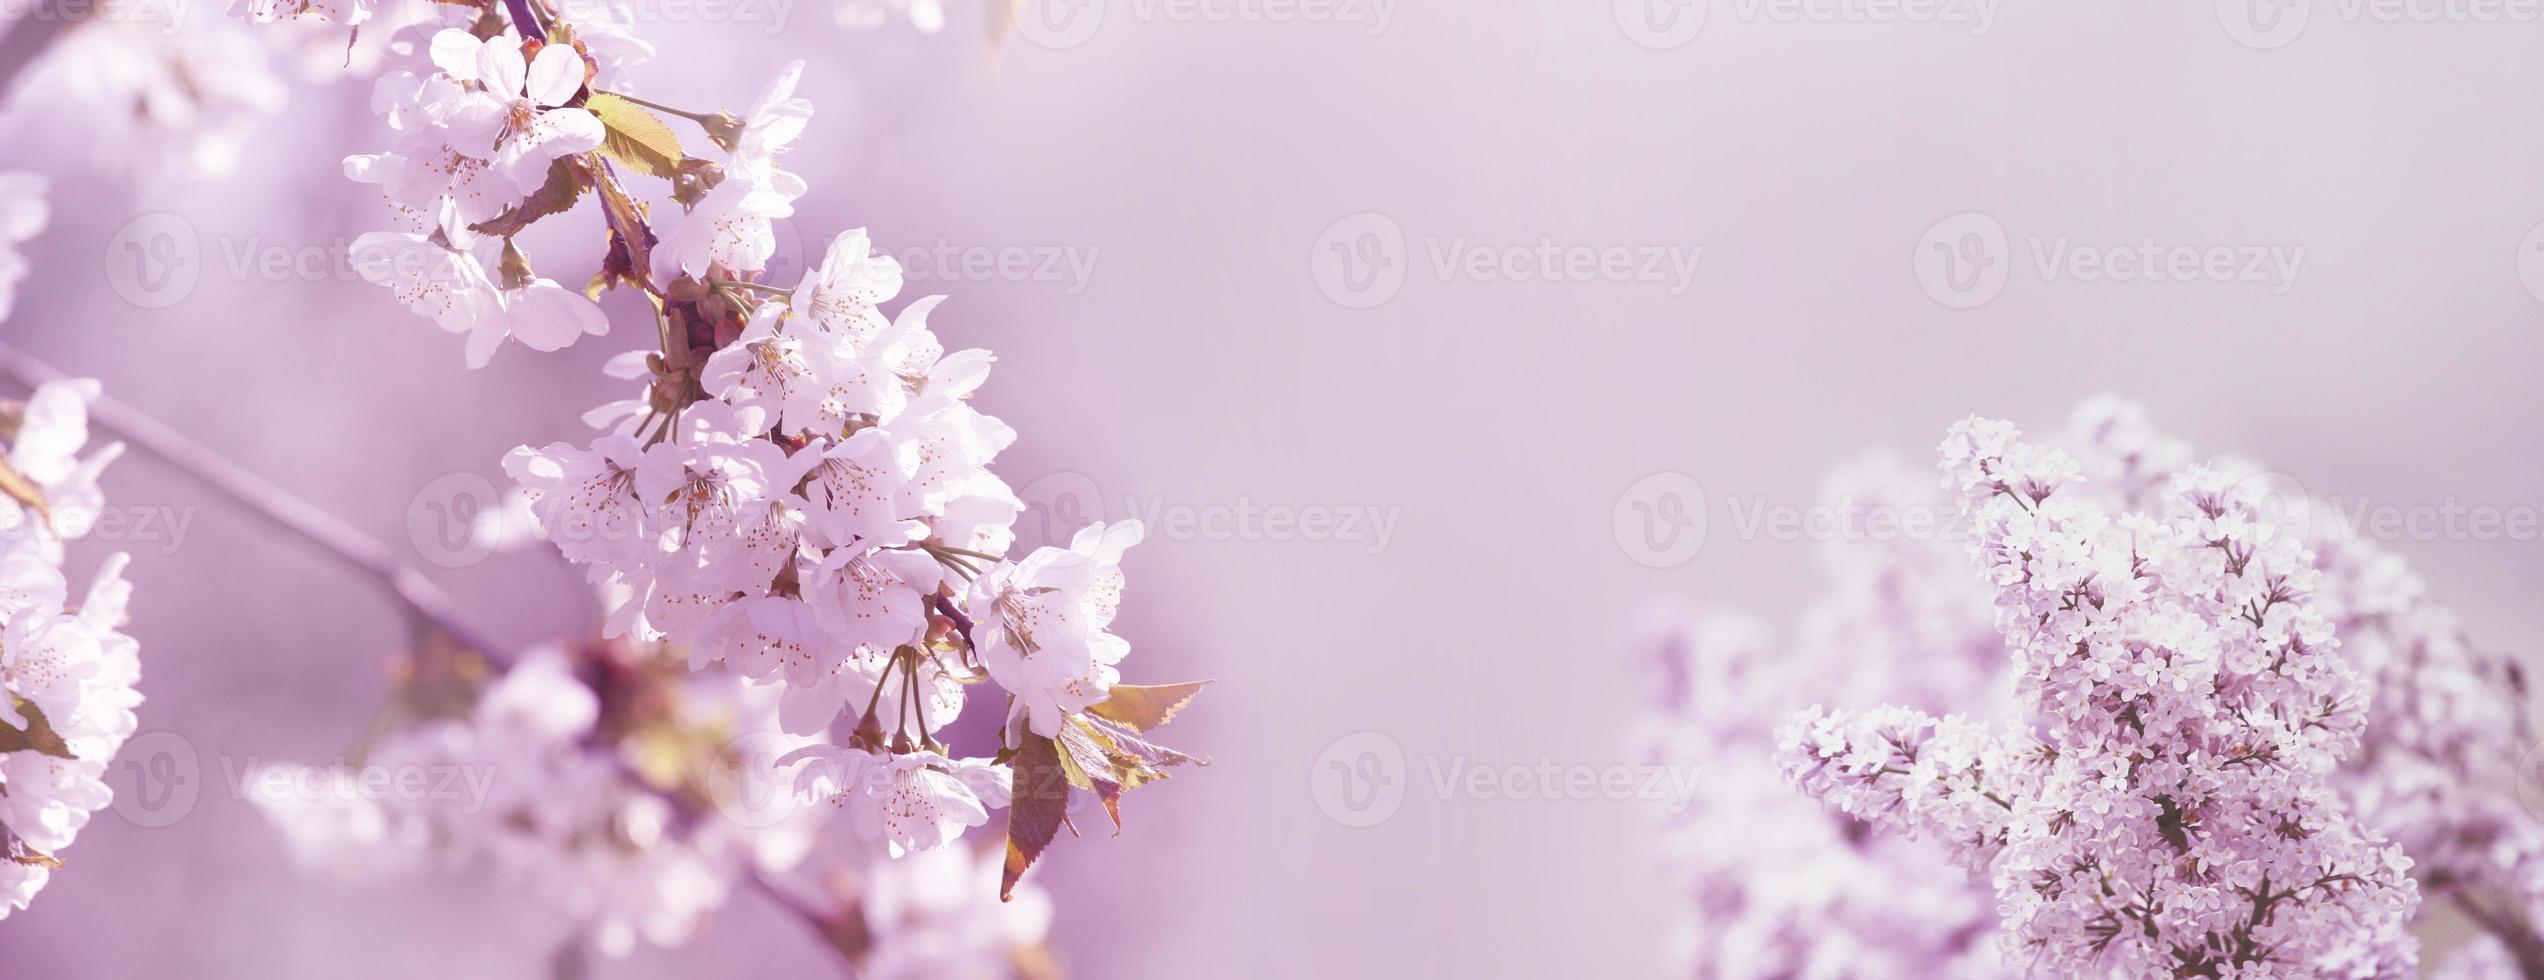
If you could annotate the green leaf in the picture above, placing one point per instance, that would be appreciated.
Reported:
(635, 137)
(1035, 810)
(1141, 707)
(38, 736)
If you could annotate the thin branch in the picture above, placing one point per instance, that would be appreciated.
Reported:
(525, 20)
(425, 603)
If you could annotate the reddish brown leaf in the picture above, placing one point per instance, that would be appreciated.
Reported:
(1037, 808)
(1091, 766)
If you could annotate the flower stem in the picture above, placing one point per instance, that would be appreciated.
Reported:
(698, 118)
(525, 20)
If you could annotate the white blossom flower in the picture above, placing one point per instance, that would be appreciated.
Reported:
(521, 112)
(804, 377)
(841, 294)
(52, 428)
(67, 668)
(912, 801)
(154, 100)
(446, 285)
(452, 286)
(867, 599)
(586, 502)
(1040, 624)
(22, 214)
(729, 228)
(854, 492)
(937, 914)
(775, 121)
(928, 16)
(607, 30)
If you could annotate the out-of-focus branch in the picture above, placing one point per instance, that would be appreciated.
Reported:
(2511, 929)
(425, 603)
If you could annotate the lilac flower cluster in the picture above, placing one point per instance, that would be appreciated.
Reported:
(1777, 886)
(2169, 810)
(2238, 739)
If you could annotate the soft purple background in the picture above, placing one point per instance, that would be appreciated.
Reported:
(1198, 163)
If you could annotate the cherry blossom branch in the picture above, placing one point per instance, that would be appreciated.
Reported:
(525, 20)
(423, 601)
(426, 605)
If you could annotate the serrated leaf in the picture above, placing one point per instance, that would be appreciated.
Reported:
(1137, 761)
(1145, 706)
(635, 137)
(1108, 759)
(1038, 804)
(1092, 766)
(38, 736)
(567, 177)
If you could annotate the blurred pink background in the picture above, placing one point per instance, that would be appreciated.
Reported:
(1193, 170)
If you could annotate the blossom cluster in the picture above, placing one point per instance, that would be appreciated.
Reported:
(590, 805)
(1774, 885)
(2437, 723)
(149, 92)
(68, 674)
(2446, 721)
(795, 498)
(23, 213)
(2169, 806)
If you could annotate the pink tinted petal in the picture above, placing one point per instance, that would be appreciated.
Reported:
(547, 317)
(559, 132)
(555, 75)
(500, 68)
(456, 52)
(482, 340)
